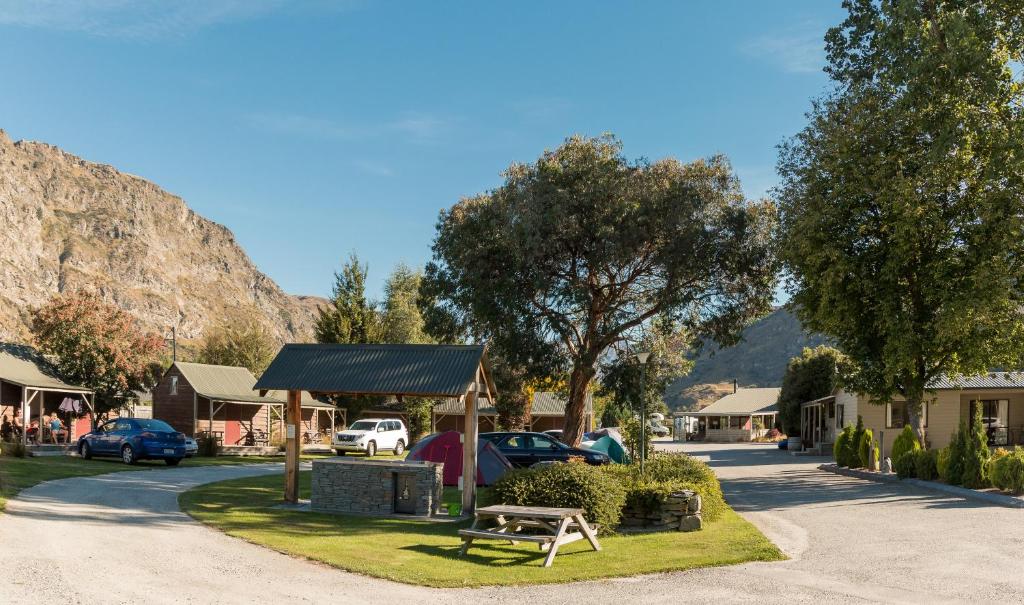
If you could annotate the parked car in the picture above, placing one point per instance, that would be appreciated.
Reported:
(526, 449)
(134, 439)
(371, 435)
(554, 433)
(659, 430)
(191, 447)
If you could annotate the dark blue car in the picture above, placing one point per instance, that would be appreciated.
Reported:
(134, 439)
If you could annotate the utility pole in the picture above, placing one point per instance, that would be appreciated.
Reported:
(642, 357)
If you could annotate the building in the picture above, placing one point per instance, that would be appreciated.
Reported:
(198, 399)
(547, 413)
(949, 402)
(743, 415)
(31, 388)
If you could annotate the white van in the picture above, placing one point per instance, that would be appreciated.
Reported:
(371, 435)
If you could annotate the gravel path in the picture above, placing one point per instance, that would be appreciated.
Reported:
(120, 538)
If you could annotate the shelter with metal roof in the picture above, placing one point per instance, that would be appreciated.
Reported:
(742, 415)
(442, 371)
(30, 387)
(199, 399)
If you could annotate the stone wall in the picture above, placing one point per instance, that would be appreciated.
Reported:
(367, 487)
(679, 511)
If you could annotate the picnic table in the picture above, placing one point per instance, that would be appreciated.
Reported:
(558, 526)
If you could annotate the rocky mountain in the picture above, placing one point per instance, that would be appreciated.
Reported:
(68, 224)
(759, 360)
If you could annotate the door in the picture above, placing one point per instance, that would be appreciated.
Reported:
(517, 450)
(232, 424)
(544, 448)
(101, 442)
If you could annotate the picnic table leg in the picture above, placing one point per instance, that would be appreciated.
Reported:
(562, 526)
(467, 541)
(588, 532)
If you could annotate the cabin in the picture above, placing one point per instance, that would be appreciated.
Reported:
(743, 415)
(202, 399)
(547, 413)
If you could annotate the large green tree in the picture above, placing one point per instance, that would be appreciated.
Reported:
(349, 317)
(901, 201)
(97, 345)
(621, 373)
(814, 374)
(401, 320)
(246, 343)
(583, 248)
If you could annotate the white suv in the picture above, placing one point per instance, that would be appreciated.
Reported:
(371, 435)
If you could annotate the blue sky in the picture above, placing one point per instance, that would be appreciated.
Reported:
(313, 129)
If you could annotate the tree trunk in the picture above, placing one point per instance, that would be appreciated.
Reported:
(915, 409)
(575, 408)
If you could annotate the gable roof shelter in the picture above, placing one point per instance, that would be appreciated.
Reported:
(743, 402)
(460, 371)
(741, 415)
(25, 369)
(224, 384)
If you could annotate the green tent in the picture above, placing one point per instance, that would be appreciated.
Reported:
(612, 447)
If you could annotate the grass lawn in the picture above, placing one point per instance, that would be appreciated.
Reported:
(17, 474)
(418, 552)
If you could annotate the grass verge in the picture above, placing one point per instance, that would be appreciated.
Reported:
(424, 553)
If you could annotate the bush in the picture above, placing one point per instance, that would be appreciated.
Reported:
(926, 464)
(957, 449)
(843, 450)
(207, 445)
(1007, 470)
(905, 442)
(942, 463)
(975, 471)
(865, 448)
(681, 471)
(854, 444)
(906, 465)
(601, 495)
(14, 448)
(631, 439)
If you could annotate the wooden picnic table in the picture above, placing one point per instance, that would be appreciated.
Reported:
(557, 526)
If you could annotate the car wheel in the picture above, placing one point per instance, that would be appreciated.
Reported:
(399, 448)
(340, 452)
(128, 454)
(371, 448)
(85, 451)
(172, 461)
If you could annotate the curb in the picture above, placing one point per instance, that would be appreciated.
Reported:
(952, 490)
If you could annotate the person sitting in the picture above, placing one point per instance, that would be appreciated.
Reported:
(56, 429)
(19, 426)
(33, 431)
(6, 430)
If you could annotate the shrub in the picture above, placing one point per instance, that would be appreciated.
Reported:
(976, 456)
(854, 444)
(876, 454)
(906, 465)
(957, 448)
(681, 471)
(207, 445)
(905, 442)
(631, 439)
(942, 463)
(1007, 470)
(926, 464)
(843, 450)
(864, 448)
(14, 448)
(601, 495)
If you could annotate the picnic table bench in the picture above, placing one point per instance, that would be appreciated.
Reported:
(558, 526)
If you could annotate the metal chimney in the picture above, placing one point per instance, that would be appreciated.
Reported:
(735, 385)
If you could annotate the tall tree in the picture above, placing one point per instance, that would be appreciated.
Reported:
(349, 317)
(247, 343)
(621, 373)
(812, 375)
(97, 345)
(401, 319)
(901, 201)
(582, 248)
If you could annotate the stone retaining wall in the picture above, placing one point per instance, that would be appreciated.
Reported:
(679, 511)
(367, 487)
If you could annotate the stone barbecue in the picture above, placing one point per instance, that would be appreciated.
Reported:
(376, 487)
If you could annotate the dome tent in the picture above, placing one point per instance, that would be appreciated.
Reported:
(446, 447)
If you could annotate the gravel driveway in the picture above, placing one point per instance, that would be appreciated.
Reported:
(120, 538)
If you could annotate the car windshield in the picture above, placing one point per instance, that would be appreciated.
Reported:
(154, 425)
(363, 425)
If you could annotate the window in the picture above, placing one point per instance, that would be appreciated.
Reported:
(737, 422)
(715, 422)
(174, 385)
(840, 415)
(897, 414)
(544, 443)
(516, 442)
(994, 412)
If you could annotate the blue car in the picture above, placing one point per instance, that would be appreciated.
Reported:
(134, 439)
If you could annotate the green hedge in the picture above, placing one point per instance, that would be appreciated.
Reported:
(1006, 470)
(843, 449)
(905, 442)
(601, 495)
(681, 471)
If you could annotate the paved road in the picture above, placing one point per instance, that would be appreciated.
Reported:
(120, 538)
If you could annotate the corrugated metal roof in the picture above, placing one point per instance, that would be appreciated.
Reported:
(223, 383)
(413, 370)
(743, 402)
(545, 403)
(23, 365)
(991, 380)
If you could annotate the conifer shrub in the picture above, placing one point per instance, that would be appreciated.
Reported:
(926, 463)
(905, 442)
(843, 449)
(976, 455)
(854, 444)
(865, 447)
(957, 449)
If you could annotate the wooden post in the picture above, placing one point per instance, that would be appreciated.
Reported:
(291, 467)
(469, 438)
(24, 416)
